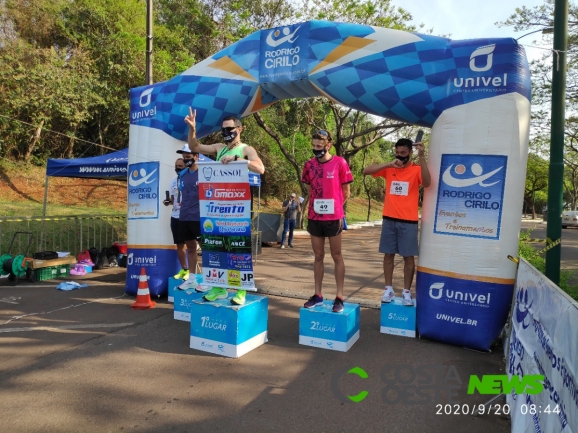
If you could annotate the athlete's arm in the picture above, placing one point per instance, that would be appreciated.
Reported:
(346, 191)
(375, 168)
(194, 145)
(425, 175)
(255, 163)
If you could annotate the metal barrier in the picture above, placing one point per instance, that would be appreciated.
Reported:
(63, 233)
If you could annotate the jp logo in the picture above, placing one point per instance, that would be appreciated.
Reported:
(522, 307)
(478, 178)
(488, 51)
(335, 384)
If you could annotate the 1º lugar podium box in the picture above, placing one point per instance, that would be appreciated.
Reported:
(230, 330)
(321, 327)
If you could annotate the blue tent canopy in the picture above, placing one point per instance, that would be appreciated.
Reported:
(110, 166)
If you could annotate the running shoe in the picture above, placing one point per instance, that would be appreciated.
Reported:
(388, 295)
(338, 305)
(406, 299)
(239, 298)
(203, 289)
(314, 301)
(216, 293)
(182, 275)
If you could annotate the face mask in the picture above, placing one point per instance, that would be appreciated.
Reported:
(403, 159)
(188, 162)
(178, 170)
(229, 136)
(319, 153)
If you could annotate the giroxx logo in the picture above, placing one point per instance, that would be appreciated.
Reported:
(502, 384)
(481, 60)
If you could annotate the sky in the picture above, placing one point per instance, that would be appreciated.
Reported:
(469, 19)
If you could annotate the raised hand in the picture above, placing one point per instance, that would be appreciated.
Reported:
(190, 120)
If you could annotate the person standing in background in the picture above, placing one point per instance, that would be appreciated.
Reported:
(290, 208)
(175, 200)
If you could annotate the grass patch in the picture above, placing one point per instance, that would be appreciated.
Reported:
(32, 208)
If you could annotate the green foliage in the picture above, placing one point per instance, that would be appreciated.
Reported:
(528, 252)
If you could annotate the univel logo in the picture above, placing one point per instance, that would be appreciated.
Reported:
(487, 50)
(476, 170)
(145, 98)
(287, 37)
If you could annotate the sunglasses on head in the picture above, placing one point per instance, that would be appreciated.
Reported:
(322, 135)
(228, 128)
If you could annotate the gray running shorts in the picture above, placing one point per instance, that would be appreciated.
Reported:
(398, 237)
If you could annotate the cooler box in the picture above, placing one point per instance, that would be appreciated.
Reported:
(183, 300)
(122, 247)
(321, 327)
(230, 330)
(398, 319)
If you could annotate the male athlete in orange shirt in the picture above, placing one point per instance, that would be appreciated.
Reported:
(400, 212)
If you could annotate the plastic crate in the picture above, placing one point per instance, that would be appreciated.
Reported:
(52, 272)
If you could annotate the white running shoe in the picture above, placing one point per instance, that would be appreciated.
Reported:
(406, 299)
(187, 285)
(203, 289)
(388, 295)
(282, 246)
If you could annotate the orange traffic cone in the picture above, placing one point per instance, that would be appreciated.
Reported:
(143, 296)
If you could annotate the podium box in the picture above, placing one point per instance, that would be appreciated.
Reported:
(173, 284)
(226, 329)
(183, 300)
(398, 319)
(321, 327)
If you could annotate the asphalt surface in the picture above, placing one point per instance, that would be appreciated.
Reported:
(84, 361)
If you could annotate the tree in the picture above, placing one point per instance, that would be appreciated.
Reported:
(536, 180)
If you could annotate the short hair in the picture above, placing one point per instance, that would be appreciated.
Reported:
(179, 159)
(324, 135)
(235, 120)
(405, 142)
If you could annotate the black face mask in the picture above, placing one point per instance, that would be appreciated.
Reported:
(403, 159)
(178, 170)
(319, 153)
(189, 162)
(229, 136)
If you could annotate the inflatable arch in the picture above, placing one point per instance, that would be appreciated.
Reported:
(474, 94)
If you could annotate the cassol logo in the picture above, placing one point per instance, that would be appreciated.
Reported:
(287, 37)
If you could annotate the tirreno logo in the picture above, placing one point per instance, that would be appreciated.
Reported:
(138, 177)
(488, 51)
(478, 176)
(273, 39)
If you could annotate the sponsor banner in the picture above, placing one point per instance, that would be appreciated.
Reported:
(155, 263)
(143, 190)
(470, 195)
(542, 341)
(236, 226)
(224, 191)
(461, 312)
(143, 104)
(235, 261)
(284, 54)
(225, 209)
(225, 204)
(234, 172)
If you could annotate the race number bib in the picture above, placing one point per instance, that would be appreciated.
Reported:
(323, 206)
(399, 188)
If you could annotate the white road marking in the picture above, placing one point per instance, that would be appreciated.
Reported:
(47, 328)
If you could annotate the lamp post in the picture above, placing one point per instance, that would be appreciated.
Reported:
(149, 46)
(556, 169)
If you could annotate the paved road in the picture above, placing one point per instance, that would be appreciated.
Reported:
(84, 361)
(569, 252)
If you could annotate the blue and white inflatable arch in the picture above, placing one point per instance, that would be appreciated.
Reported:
(474, 94)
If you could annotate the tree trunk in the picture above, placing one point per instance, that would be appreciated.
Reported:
(33, 142)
